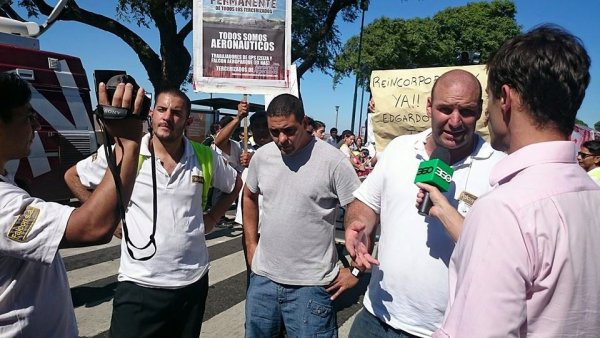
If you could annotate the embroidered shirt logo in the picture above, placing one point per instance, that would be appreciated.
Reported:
(197, 179)
(22, 226)
(468, 198)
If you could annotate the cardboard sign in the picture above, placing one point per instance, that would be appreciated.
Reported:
(242, 46)
(401, 99)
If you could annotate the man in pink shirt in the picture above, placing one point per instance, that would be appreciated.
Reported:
(527, 260)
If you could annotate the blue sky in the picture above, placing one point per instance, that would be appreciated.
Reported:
(101, 50)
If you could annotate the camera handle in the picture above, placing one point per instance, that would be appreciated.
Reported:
(111, 161)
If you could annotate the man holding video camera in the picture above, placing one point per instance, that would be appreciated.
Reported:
(35, 299)
(162, 288)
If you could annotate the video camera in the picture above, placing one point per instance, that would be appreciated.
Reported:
(112, 78)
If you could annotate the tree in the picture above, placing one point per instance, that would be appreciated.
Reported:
(315, 37)
(597, 126)
(580, 122)
(426, 42)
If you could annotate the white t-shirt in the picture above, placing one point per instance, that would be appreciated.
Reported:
(409, 289)
(239, 216)
(234, 154)
(181, 253)
(35, 300)
(346, 150)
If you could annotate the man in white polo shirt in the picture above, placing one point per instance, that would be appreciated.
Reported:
(164, 295)
(35, 300)
(408, 290)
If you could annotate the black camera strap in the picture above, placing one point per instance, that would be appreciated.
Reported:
(111, 161)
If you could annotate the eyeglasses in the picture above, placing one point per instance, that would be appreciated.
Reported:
(584, 155)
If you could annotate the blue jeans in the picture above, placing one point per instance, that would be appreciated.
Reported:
(306, 311)
(366, 325)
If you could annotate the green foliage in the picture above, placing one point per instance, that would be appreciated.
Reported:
(315, 36)
(138, 10)
(428, 42)
(581, 123)
(597, 126)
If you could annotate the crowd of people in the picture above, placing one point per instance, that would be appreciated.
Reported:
(510, 250)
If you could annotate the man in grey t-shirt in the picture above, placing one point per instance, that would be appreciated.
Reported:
(295, 275)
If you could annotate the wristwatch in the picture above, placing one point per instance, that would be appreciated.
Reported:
(355, 272)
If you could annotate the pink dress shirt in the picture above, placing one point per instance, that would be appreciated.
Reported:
(527, 263)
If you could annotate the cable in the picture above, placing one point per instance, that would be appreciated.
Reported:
(111, 161)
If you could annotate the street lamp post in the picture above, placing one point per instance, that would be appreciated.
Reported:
(363, 6)
(362, 97)
(336, 115)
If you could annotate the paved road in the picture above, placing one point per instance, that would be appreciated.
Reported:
(92, 276)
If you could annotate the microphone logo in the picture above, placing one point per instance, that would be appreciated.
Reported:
(435, 172)
(443, 175)
(423, 171)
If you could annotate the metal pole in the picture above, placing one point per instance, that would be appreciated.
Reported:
(362, 98)
(336, 115)
(362, 23)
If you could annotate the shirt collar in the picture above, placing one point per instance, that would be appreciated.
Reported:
(419, 144)
(145, 147)
(483, 150)
(8, 177)
(531, 155)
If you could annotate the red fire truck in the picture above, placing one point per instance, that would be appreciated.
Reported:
(61, 97)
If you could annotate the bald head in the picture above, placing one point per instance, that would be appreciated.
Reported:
(454, 107)
(458, 76)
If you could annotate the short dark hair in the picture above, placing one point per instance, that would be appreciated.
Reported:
(286, 104)
(257, 118)
(214, 128)
(318, 124)
(14, 92)
(549, 68)
(593, 146)
(332, 130)
(347, 133)
(225, 121)
(177, 92)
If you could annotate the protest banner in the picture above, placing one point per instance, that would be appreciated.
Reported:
(401, 99)
(242, 46)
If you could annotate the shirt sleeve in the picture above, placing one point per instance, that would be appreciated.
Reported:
(236, 152)
(92, 169)
(489, 275)
(346, 150)
(252, 178)
(31, 228)
(223, 175)
(345, 181)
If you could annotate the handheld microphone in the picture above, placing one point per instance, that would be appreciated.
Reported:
(434, 172)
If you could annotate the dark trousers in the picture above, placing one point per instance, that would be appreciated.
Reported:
(146, 312)
(366, 325)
